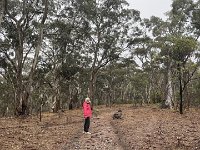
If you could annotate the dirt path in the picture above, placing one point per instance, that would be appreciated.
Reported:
(141, 128)
(103, 136)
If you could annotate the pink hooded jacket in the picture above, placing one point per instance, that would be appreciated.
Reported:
(87, 112)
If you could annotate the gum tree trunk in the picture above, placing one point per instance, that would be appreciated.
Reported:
(2, 9)
(169, 95)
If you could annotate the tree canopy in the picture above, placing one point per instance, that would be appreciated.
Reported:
(56, 53)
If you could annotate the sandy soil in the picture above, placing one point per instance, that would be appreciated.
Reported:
(140, 128)
(158, 129)
(103, 136)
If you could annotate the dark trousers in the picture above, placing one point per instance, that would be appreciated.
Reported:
(87, 124)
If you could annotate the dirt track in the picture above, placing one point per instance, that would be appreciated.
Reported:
(103, 136)
(141, 128)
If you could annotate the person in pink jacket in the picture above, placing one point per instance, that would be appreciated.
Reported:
(87, 112)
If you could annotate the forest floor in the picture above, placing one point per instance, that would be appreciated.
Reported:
(140, 128)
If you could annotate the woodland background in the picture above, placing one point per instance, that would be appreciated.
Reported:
(55, 53)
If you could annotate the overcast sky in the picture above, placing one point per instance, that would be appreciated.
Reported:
(150, 8)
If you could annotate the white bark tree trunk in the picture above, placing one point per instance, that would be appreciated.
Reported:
(169, 95)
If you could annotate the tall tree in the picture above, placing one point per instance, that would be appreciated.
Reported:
(66, 35)
(183, 48)
(184, 44)
(146, 51)
(108, 22)
(2, 9)
(23, 24)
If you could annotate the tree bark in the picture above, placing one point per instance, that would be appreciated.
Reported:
(169, 95)
(2, 8)
(37, 51)
(91, 89)
(22, 92)
(180, 89)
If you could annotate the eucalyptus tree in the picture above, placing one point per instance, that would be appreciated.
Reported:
(114, 82)
(192, 13)
(22, 31)
(194, 18)
(108, 22)
(66, 51)
(184, 17)
(2, 8)
(161, 30)
(183, 47)
(142, 47)
(184, 41)
(195, 90)
(177, 26)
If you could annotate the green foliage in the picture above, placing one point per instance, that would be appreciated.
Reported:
(68, 72)
(82, 38)
(6, 98)
(182, 48)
